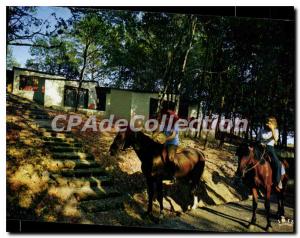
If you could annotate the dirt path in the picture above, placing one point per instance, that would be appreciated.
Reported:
(231, 217)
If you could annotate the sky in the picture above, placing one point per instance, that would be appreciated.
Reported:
(21, 53)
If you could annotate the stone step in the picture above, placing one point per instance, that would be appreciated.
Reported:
(80, 182)
(38, 117)
(55, 139)
(43, 123)
(66, 149)
(72, 155)
(56, 134)
(26, 106)
(102, 205)
(83, 193)
(51, 144)
(76, 164)
(49, 129)
(83, 172)
(88, 193)
(35, 112)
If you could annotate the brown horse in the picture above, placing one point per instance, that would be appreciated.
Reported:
(256, 172)
(191, 164)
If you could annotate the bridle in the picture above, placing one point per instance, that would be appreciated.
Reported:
(246, 170)
(133, 135)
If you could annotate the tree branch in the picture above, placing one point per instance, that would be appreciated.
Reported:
(35, 45)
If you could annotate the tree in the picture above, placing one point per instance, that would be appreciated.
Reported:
(231, 67)
(23, 27)
(59, 60)
(10, 59)
(88, 34)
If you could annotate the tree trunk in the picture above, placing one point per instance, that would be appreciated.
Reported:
(192, 33)
(197, 117)
(208, 129)
(85, 54)
(167, 73)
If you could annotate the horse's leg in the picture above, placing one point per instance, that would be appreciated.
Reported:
(267, 207)
(278, 195)
(150, 186)
(281, 202)
(254, 207)
(196, 175)
(160, 197)
(194, 187)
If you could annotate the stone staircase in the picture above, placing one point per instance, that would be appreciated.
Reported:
(79, 176)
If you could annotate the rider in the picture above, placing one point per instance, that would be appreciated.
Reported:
(269, 138)
(172, 136)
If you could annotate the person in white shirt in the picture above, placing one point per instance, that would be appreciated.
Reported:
(269, 138)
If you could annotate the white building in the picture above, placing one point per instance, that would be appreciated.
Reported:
(59, 93)
(125, 103)
(53, 90)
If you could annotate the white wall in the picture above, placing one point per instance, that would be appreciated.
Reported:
(54, 88)
(120, 103)
(16, 83)
(140, 103)
(54, 93)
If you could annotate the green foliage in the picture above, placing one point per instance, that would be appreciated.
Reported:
(24, 27)
(11, 61)
(234, 67)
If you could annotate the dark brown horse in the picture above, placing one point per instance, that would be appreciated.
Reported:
(255, 169)
(190, 164)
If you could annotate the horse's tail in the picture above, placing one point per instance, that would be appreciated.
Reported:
(199, 166)
(201, 161)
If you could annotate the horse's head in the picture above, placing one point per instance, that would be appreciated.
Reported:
(122, 141)
(242, 153)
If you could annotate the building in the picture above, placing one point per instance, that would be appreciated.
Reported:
(126, 103)
(57, 92)
(52, 90)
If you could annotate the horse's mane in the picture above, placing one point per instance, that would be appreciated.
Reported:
(243, 150)
(149, 140)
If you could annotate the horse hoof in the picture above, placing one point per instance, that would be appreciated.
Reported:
(269, 229)
(282, 219)
(194, 207)
(251, 227)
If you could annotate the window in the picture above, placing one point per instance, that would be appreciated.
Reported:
(29, 83)
(102, 97)
(70, 97)
(102, 101)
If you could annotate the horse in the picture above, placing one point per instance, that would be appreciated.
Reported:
(256, 172)
(154, 167)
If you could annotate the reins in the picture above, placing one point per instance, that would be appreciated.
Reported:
(256, 164)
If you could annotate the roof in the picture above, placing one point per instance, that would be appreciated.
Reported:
(57, 75)
(129, 90)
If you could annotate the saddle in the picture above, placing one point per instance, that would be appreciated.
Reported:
(164, 153)
(259, 152)
(160, 138)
